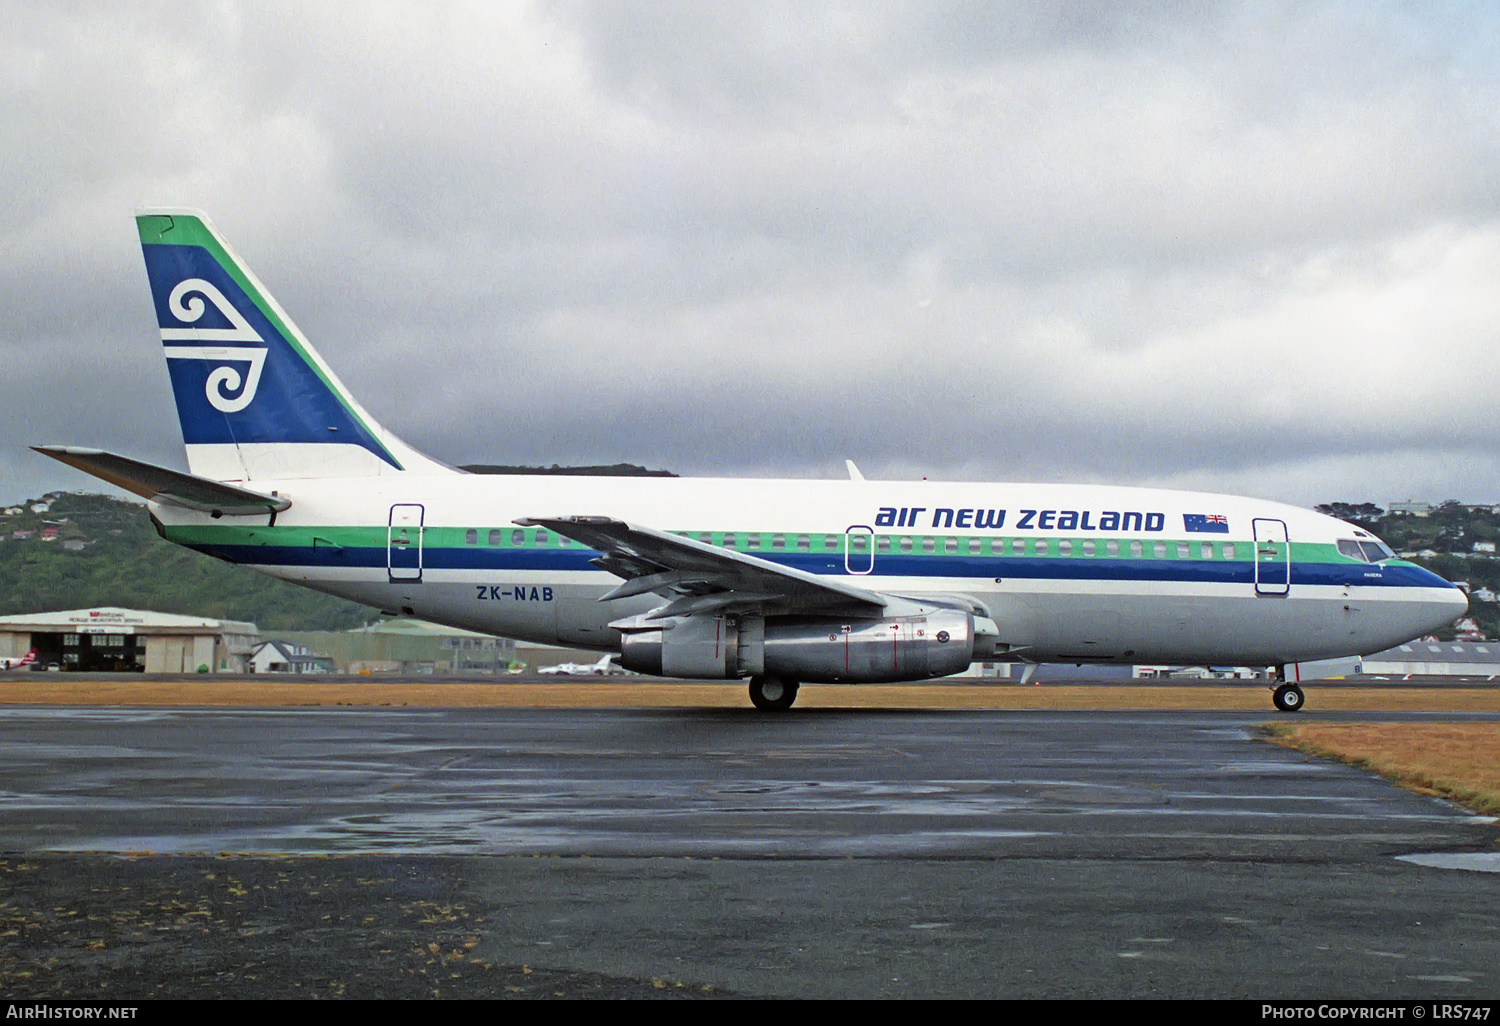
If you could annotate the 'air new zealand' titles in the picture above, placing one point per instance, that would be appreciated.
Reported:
(783, 582)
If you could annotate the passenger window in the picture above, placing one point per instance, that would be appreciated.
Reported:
(1229, 550)
(1018, 547)
(1088, 547)
(518, 538)
(1065, 548)
(831, 542)
(1136, 550)
(778, 542)
(950, 545)
(1160, 549)
(729, 541)
(1206, 550)
(1183, 551)
(929, 545)
(857, 542)
(752, 541)
(804, 543)
(883, 543)
(497, 536)
(1041, 546)
(975, 545)
(471, 537)
(906, 544)
(541, 537)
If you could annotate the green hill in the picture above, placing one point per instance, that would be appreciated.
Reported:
(122, 562)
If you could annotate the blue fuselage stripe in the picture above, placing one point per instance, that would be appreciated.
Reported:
(1054, 568)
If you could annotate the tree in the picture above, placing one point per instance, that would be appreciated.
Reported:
(1365, 514)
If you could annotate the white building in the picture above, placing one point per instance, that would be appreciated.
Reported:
(1436, 659)
(109, 638)
(287, 657)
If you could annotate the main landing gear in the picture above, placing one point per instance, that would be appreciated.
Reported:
(1287, 697)
(772, 694)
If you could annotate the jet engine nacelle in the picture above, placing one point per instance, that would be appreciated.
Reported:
(831, 651)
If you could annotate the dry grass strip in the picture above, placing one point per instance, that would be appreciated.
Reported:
(262, 692)
(1458, 761)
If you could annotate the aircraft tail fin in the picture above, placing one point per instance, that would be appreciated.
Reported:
(254, 398)
(14, 664)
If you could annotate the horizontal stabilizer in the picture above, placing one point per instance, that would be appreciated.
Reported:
(162, 485)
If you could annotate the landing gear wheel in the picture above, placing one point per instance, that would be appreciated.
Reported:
(772, 694)
(1288, 698)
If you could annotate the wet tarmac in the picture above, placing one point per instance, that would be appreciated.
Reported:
(533, 852)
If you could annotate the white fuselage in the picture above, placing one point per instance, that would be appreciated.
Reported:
(1071, 573)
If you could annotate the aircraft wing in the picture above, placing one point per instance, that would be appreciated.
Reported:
(697, 577)
(163, 485)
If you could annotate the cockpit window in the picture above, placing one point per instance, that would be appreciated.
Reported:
(1366, 551)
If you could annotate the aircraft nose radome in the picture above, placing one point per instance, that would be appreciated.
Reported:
(1447, 605)
(1458, 602)
(1439, 605)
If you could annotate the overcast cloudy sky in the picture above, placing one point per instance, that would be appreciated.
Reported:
(1249, 248)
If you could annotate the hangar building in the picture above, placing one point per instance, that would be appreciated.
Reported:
(1436, 659)
(109, 638)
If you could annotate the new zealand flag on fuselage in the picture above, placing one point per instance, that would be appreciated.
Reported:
(1205, 523)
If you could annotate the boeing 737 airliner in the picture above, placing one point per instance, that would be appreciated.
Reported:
(783, 582)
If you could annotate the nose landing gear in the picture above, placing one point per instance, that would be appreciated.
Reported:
(1287, 697)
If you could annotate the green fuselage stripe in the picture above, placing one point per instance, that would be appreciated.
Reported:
(765, 543)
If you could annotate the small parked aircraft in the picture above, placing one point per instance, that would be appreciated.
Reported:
(603, 668)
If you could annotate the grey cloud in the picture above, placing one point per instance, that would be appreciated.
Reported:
(1015, 240)
(831, 60)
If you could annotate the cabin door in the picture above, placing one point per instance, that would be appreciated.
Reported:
(403, 543)
(859, 549)
(1273, 558)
